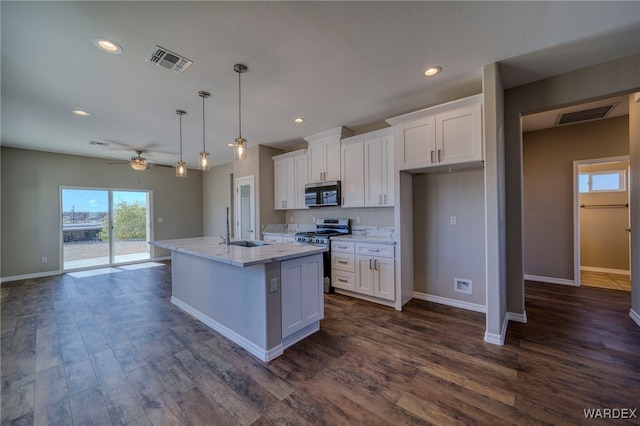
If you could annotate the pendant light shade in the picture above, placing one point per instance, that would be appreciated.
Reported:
(240, 146)
(203, 159)
(181, 166)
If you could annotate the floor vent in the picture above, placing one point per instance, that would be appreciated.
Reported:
(461, 285)
(166, 59)
(590, 114)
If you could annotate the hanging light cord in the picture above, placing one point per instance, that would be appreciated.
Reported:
(203, 147)
(180, 138)
(240, 105)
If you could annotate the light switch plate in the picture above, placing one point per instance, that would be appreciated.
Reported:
(274, 285)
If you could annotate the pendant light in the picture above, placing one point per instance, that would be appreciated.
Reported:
(181, 166)
(203, 160)
(240, 146)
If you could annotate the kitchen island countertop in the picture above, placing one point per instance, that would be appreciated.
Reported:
(212, 249)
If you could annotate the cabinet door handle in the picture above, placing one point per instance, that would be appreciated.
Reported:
(342, 281)
(439, 156)
(342, 247)
(379, 198)
(432, 153)
(375, 264)
(373, 250)
(370, 263)
(344, 262)
(385, 198)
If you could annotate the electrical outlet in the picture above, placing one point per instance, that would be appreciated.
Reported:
(313, 219)
(453, 220)
(160, 220)
(44, 260)
(274, 285)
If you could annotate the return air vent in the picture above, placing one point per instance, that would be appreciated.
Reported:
(590, 114)
(166, 59)
(99, 143)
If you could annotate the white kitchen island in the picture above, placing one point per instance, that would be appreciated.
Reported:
(263, 298)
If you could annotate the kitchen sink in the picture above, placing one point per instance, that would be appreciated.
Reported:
(246, 243)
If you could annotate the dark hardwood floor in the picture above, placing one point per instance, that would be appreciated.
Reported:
(111, 349)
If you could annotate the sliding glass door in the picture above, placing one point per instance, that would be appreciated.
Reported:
(104, 227)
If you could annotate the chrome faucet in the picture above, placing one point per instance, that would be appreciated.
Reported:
(228, 240)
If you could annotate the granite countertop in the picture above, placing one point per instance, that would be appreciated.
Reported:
(210, 248)
(374, 239)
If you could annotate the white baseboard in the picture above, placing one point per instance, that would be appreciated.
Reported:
(450, 302)
(512, 316)
(550, 280)
(634, 316)
(605, 270)
(160, 258)
(249, 346)
(29, 276)
(498, 339)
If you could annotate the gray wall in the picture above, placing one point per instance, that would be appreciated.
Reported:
(604, 243)
(31, 183)
(495, 204)
(611, 78)
(548, 157)
(443, 251)
(216, 197)
(634, 205)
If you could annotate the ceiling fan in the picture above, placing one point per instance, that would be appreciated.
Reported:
(140, 163)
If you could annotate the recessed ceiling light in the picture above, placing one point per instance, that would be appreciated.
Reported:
(431, 71)
(80, 112)
(299, 120)
(107, 45)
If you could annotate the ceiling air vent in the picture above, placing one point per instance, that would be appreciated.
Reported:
(99, 143)
(167, 59)
(590, 114)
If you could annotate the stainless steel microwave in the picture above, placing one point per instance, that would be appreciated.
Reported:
(322, 194)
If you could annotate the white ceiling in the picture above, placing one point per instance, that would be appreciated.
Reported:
(347, 64)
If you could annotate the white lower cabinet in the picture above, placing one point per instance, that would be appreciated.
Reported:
(302, 293)
(364, 268)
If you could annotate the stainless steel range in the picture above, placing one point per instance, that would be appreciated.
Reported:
(325, 229)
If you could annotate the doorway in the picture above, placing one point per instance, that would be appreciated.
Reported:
(245, 208)
(103, 227)
(601, 225)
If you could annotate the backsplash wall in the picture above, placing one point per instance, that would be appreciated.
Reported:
(371, 216)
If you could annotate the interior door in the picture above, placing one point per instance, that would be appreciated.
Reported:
(245, 208)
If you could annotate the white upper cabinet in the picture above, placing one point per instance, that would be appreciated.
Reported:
(290, 177)
(444, 135)
(378, 170)
(324, 154)
(459, 135)
(352, 174)
(367, 169)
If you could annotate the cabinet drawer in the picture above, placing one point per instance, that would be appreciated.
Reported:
(342, 247)
(343, 280)
(343, 262)
(381, 250)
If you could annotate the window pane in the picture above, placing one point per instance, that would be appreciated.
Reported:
(583, 182)
(605, 182)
